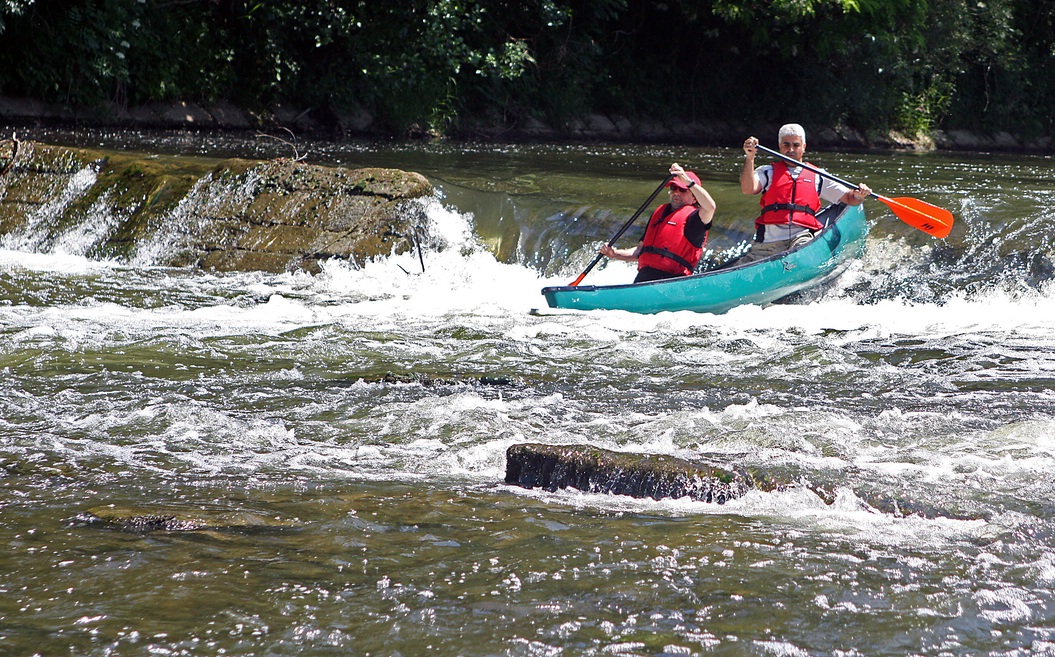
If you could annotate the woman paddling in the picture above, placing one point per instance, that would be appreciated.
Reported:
(676, 233)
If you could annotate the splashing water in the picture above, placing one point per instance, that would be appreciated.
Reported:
(339, 440)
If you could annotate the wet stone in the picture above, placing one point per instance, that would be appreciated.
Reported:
(595, 470)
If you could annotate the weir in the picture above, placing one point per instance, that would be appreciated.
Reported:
(222, 215)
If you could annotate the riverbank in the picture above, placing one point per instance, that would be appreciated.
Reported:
(322, 122)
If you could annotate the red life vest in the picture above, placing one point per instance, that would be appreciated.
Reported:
(665, 247)
(790, 200)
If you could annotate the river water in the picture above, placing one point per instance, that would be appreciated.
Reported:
(332, 446)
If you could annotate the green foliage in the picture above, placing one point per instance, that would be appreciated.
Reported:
(761, 13)
(12, 8)
(443, 65)
(920, 113)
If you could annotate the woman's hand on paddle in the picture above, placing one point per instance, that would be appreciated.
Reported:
(626, 255)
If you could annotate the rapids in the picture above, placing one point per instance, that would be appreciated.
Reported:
(342, 436)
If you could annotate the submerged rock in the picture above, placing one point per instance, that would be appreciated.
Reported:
(595, 470)
(179, 519)
(430, 380)
(224, 215)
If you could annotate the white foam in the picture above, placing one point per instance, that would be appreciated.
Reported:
(464, 432)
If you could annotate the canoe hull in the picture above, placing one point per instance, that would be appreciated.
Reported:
(757, 283)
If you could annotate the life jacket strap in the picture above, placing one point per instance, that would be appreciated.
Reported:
(794, 207)
(670, 255)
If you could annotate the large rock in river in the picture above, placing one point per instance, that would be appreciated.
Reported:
(596, 470)
(223, 215)
(656, 476)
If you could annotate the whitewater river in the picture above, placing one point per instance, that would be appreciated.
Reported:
(332, 447)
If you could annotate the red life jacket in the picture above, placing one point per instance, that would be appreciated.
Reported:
(665, 247)
(789, 200)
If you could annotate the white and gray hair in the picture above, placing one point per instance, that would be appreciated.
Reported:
(791, 129)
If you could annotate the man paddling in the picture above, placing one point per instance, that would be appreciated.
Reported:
(791, 195)
(676, 232)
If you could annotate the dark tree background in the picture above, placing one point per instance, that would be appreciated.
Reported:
(448, 65)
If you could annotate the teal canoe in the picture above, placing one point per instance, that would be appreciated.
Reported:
(758, 283)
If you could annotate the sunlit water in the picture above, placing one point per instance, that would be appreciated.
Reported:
(338, 440)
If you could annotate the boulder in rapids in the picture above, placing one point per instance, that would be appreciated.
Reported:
(596, 470)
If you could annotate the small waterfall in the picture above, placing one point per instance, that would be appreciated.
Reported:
(42, 230)
(212, 197)
(100, 223)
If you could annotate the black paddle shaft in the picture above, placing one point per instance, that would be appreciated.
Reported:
(625, 227)
(815, 170)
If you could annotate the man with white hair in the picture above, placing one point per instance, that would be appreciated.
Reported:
(791, 195)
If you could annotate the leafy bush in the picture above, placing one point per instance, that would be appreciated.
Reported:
(445, 65)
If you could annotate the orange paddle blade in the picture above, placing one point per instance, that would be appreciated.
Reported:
(921, 215)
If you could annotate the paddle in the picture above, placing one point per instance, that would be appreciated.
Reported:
(916, 213)
(627, 225)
